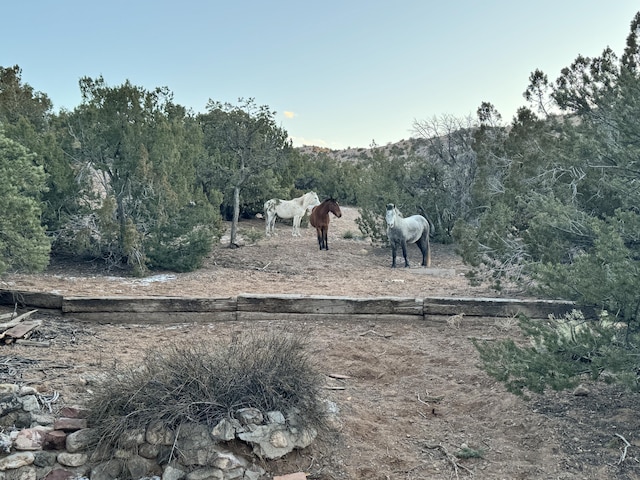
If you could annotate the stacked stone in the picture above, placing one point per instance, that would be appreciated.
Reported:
(37, 445)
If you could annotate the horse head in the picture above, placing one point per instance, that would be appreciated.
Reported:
(391, 215)
(311, 200)
(334, 207)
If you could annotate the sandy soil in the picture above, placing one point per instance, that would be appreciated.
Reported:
(391, 425)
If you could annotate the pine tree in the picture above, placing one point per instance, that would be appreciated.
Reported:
(24, 245)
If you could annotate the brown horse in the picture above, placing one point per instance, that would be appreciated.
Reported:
(320, 219)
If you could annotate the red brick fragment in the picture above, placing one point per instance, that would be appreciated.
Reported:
(54, 440)
(70, 424)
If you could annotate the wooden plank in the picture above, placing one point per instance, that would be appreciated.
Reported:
(498, 307)
(31, 299)
(154, 318)
(317, 304)
(147, 304)
(21, 329)
(17, 320)
(319, 317)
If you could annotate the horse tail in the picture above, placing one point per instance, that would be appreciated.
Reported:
(432, 227)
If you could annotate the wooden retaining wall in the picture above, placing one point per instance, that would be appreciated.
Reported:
(276, 307)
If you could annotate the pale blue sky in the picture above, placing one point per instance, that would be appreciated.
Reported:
(339, 73)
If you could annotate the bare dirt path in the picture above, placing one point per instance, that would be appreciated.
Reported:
(415, 395)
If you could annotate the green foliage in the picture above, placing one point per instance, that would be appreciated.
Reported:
(607, 274)
(205, 383)
(330, 178)
(184, 240)
(24, 245)
(141, 150)
(28, 119)
(561, 352)
(556, 195)
(407, 182)
(245, 147)
(468, 452)
(252, 235)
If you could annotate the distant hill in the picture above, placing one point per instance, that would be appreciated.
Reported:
(402, 148)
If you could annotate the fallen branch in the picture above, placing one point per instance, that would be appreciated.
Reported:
(623, 455)
(450, 457)
(376, 333)
(32, 343)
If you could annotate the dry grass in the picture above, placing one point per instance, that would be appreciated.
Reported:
(204, 383)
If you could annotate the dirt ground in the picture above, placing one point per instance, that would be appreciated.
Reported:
(414, 395)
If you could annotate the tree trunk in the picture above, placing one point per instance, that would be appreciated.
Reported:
(236, 216)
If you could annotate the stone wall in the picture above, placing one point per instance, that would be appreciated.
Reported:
(38, 444)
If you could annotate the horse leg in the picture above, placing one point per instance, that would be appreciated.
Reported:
(296, 226)
(404, 253)
(423, 243)
(325, 237)
(394, 251)
(319, 234)
(268, 219)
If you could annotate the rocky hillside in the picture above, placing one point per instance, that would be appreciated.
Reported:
(401, 148)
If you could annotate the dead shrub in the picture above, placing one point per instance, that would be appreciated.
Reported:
(204, 383)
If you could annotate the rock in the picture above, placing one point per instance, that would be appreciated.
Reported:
(147, 450)
(67, 459)
(22, 473)
(139, 467)
(16, 460)
(109, 470)
(16, 419)
(70, 424)
(225, 430)
(206, 474)
(80, 440)
(276, 417)
(195, 444)
(54, 440)
(236, 473)
(273, 441)
(278, 439)
(158, 434)
(59, 474)
(170, 473)
(25, 390)
(581, 391)
(44, 459)
(132, 438)
(226, 460)
(29, 403)
(249, 416)
(44, 419)
(291, 476)
(8, 388)
(30, 439)
(254, 474)
(73, 412)
(8, 404)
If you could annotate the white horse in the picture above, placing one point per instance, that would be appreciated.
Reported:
(413, 229)
(295, 209)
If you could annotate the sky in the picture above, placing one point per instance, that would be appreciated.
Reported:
(338, 73)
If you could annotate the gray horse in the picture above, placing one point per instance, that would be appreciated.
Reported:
(413, 229)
